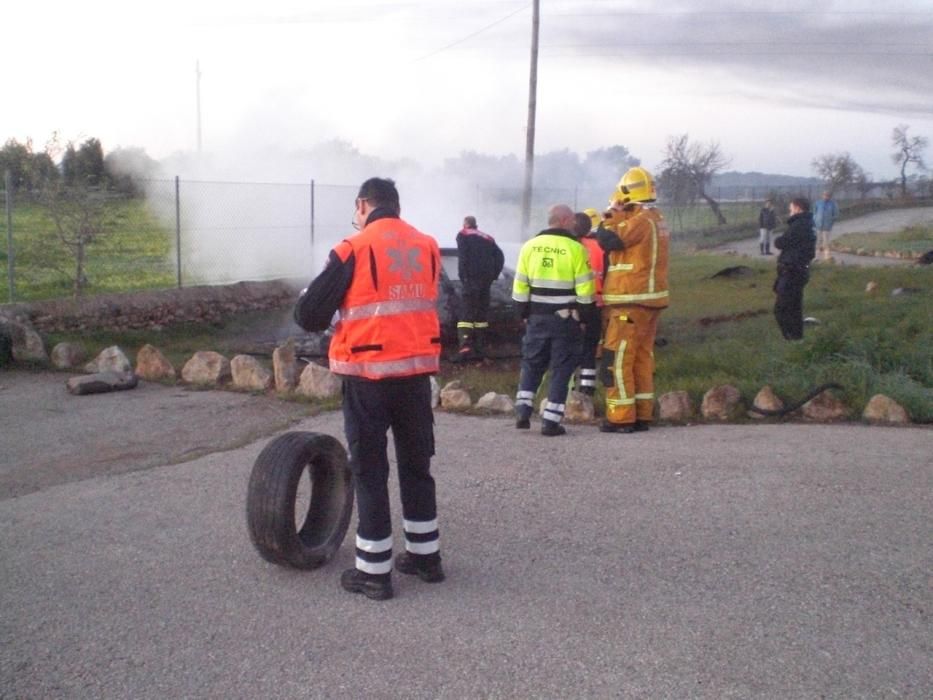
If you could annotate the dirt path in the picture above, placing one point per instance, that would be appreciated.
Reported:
(877, 222)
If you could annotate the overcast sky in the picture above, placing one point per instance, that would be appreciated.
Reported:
(427, 79)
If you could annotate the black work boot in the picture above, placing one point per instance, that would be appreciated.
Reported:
(479, 343)
(522, 422)
(375, 586)
(427, 567)
(552, 429)
(642, 426)
(625, 428)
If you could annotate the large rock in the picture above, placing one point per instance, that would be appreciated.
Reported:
(675, 407)
(318, 382)
(497, 403)
(579, 408)
(825, 408)
(882, 409)
(285, 367)
(207, 368)
(152, 365)
(722, 402)
(68, 355)
(101, 383)
(248, 374)
(454, 397)
(110, 359)
(767, 400)
(22, 342)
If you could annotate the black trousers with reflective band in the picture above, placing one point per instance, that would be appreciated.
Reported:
(370, 410)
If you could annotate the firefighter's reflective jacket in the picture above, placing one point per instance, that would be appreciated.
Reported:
(553, 273)
(385, 281)
(637, 274)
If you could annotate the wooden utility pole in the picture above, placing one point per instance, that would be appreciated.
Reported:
(530, 129)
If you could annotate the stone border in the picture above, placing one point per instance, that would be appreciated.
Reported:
(152, 310)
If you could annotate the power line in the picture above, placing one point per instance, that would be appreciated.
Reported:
(470, 36)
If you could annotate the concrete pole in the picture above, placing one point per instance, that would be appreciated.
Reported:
(530, 129)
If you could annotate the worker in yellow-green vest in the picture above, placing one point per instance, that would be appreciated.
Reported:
(555, 287)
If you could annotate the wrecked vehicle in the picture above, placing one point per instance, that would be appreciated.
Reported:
(505, 325)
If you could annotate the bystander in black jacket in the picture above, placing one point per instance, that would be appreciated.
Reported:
(798, 248)
(767, 218)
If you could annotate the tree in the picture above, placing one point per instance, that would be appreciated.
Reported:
(837, 170)
(863, 182)
(909, 151)
(84, 165)
(558, 170)
(76, 210)
(688, 169)
(125, 167)
(604, 167)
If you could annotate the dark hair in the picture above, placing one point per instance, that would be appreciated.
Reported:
(381, 192)
(801, 203)
(469, 222)
(581, 224)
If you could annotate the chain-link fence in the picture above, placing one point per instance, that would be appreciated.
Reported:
(184, 233)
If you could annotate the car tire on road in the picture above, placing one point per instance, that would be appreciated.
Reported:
(273, 494)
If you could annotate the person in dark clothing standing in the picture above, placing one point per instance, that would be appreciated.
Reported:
(479, 263)
(383, 281)
(798, 248)
(767, 221)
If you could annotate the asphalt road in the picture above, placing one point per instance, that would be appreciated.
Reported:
(707, 561)
(877, 222)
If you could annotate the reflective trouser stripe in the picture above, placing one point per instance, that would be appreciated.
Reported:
(525, 398)
(553, 411)
(633, 329)
(374, 556)
(481, 324)
(421, 536)
(465, 324)
(587, 377)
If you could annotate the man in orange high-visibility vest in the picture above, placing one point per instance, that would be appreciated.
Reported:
(383, 281)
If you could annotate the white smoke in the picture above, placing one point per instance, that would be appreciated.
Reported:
(247, 215)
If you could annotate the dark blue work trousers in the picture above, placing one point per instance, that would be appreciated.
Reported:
(370, 410)
(550, 344)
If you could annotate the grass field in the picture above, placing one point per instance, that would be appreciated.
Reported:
(133, 252)
(913, 242)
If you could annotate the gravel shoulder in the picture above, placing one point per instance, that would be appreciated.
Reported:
(50, 437)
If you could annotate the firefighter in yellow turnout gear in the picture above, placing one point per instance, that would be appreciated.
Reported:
(637, 243)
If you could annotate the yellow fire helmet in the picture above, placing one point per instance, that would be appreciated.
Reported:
(595, 218)
(636, 185)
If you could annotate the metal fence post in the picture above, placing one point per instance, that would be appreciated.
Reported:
(178, 230)
(8, 189)
(312, 226)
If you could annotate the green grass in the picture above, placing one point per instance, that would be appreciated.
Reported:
(913, 242)
(133, 252)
